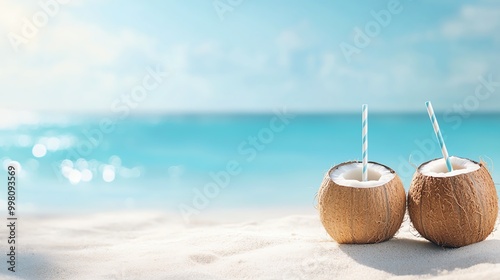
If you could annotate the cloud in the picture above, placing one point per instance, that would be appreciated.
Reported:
(327, 65)
(69, 63)
(77, 64)
(464, 47)
(289, 40)
(473, 21)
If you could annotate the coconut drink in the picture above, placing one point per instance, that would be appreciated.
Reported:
(357, 211)
(452, 201)
(453, 208)
(361, 202)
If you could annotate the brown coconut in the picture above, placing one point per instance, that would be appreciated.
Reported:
(362, 214)
(456, 210)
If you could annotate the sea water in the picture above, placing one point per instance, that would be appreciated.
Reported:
(89, 163)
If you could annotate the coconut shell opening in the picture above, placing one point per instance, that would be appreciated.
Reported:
(437, 168)
(349, 175)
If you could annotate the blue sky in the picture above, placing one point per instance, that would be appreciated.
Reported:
(255, 56)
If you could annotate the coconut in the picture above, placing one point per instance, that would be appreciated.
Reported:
(353, 211)
(453, 209)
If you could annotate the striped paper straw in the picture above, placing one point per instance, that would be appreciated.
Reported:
(365, 143)
(439, 135)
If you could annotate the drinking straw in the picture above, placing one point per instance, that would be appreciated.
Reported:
(365, 143)
(439, 136)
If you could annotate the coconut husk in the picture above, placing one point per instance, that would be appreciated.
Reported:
(453, 211)
(361, 215)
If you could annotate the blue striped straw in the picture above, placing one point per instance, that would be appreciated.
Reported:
(439, 135)
(365, 143)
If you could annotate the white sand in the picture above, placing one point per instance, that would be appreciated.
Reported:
(161, 246)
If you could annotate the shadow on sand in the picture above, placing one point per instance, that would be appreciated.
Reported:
(31, 266)
(415, 257)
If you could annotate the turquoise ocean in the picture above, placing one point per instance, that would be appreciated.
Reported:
(161, 162)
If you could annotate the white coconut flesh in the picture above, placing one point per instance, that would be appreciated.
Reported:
(350, 175)
(437, 168)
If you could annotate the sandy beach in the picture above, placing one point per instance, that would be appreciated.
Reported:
(158, 245)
